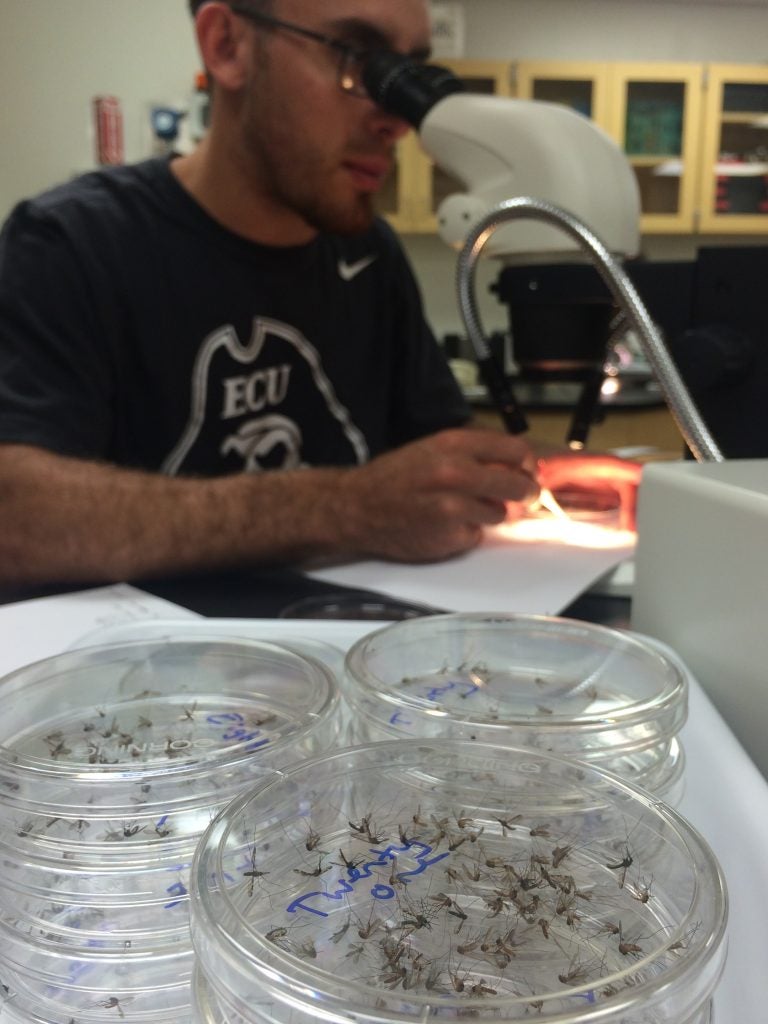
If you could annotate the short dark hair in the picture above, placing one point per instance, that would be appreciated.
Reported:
(257, 5)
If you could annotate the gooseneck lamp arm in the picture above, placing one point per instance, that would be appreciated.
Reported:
(689, 422)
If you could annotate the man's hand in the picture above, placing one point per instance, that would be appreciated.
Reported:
(598, 476)
(431, 499)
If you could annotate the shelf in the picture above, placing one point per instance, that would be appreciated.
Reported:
(751, 118)
(741, 170)
(648, 160)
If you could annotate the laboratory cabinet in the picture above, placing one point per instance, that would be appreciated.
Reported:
(696, 135)
(416, 186)
(652, 110)
(734, 181)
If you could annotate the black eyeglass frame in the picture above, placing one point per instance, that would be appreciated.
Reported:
(347, 54)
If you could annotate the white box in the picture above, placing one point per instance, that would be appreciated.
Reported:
(701, 582)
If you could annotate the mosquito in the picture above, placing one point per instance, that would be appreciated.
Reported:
(405, 839)
(110, 730)
(481, 989)
(313, 839)
(576, 972)
(254, 873)
(507, 823)
(442, 900)
(468, 947)
(457, 983)
(349, 864)
(339, 935)
(559, 854)
(642, 892)
(393, 977)
(418, 820)
(316, 872)
(625, 948)
(458, 912)
(113, 1003)
(366, 930)
(624, 864)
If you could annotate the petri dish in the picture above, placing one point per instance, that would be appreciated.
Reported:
(601, 695)
(404, 880)
(212, 629)
(113, 761)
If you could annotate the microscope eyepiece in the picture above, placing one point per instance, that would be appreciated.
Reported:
(405, 87)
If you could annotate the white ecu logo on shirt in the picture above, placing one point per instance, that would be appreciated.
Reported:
(268, 439)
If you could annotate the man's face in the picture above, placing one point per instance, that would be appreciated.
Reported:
(309, 146)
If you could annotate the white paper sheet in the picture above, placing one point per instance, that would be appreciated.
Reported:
(44, 626)
(502, 574)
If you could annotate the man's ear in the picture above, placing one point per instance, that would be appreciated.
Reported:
(224, 45)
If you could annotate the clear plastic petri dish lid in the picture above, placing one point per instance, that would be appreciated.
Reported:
(449, 879)
(101, 991)
(211, 629)
(209, 1006)
(138, 743)
(552, 683)
(64, 908)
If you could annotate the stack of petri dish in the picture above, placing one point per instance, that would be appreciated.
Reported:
(599, 695)
(455, 880)
(113, 761)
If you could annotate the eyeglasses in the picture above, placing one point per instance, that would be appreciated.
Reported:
(351, 59)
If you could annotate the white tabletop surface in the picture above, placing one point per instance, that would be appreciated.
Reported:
(726, 797)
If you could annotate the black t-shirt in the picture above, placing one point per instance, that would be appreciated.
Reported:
(134, 328)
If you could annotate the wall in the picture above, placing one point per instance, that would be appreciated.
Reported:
(55, 55)
(617, 30)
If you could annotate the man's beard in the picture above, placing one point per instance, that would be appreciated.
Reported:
(354, 216)
(351, 218)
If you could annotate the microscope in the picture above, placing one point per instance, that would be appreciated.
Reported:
(545, 188)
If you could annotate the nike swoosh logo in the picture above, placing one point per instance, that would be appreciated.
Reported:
(348, 271)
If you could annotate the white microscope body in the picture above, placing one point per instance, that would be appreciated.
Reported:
(500, 147)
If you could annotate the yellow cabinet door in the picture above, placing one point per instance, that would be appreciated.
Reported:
(734, 167)
(656, 118)
(583, 86)
(417, 187)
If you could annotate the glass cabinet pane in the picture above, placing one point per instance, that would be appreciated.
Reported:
(573, 93)
(741, 169)
(653, 140)
(654, 118)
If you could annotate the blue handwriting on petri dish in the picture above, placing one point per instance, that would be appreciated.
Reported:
(362, 871)
(236, 730)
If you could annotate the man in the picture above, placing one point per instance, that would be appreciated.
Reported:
(165, 327)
